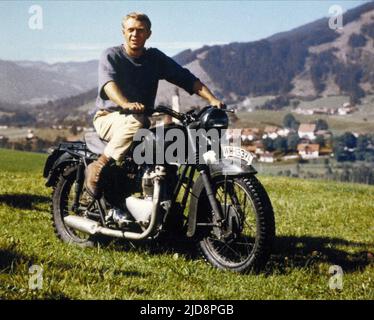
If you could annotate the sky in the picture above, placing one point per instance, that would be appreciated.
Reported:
(60, 31)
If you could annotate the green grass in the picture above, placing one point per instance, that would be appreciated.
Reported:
(319, 224)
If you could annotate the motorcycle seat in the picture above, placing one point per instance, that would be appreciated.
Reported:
(94, 143)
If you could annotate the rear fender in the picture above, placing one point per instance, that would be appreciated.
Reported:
(55, 164)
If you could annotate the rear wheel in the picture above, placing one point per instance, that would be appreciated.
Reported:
(62, 206)
(244, 239)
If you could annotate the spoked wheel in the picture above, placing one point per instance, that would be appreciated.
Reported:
(243, 240)
(62, 206)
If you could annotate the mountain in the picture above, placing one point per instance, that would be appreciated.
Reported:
(29, 82)
(307, 62)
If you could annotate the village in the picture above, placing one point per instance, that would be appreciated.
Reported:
(346, 109)
(274, 143)
(270, 144)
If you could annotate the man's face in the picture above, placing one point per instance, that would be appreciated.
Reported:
(136, 34)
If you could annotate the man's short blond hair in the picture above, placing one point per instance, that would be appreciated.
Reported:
(137, 16)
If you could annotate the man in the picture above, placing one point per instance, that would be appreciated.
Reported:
(128, 80)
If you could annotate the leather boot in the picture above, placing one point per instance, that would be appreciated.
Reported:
(93, 175)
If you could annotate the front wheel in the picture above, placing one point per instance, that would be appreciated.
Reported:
(243, 240)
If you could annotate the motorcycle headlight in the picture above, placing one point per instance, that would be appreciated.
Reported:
(214, 118)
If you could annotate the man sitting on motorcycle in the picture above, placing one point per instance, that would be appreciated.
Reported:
(128, 80)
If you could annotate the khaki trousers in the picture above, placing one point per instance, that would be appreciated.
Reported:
(118, 129)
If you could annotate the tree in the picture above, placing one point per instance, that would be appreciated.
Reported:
(369, 156)
(292, 141)
(4, 142)
(289, 121)
(280, 144)
(320, 140)
(356, 95)
(362, 143)
(368, 29)
(349, 140)
(357, 40)
(321, 125)
(276, 103)
(340, 145)
(268, 144)
(295, 103)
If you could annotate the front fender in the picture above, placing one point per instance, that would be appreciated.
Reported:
(216, 170)
(231, 168)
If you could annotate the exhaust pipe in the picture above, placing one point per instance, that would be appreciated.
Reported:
(82, 224)
(92, 227)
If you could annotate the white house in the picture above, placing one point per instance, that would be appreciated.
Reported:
(30, 134)
(250, 134)
(259, 148)
(307, 131)
(308, 151)
(284, 132)
(304, 111)
(271, 132)
(291, 157)
(267, 157)
(346, 110)
(233, 134)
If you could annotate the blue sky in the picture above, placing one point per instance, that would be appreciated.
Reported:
(80, 30)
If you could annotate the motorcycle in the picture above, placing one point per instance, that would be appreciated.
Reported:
(221, 206)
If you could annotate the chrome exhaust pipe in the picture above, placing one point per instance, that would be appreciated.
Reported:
(92, 227)
(82, 224)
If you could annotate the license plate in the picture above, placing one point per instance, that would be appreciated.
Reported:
(236, 152)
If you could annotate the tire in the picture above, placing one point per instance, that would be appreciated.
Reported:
(63, 193)
(247, 244)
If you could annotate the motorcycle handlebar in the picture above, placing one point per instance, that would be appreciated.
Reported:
(170, 112)
(178, 115)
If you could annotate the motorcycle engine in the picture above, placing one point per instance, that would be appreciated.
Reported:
(171, 180)
(121, 184)
(147, 184)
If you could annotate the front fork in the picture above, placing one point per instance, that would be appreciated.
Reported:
(216, 206)
(208, 184)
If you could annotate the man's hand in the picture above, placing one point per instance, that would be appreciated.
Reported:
(114, 93)
(216, 103)
(134, 107)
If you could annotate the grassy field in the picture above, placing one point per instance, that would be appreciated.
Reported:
(337, 124)
(360, 121)
(318, 225)
(17, 134)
